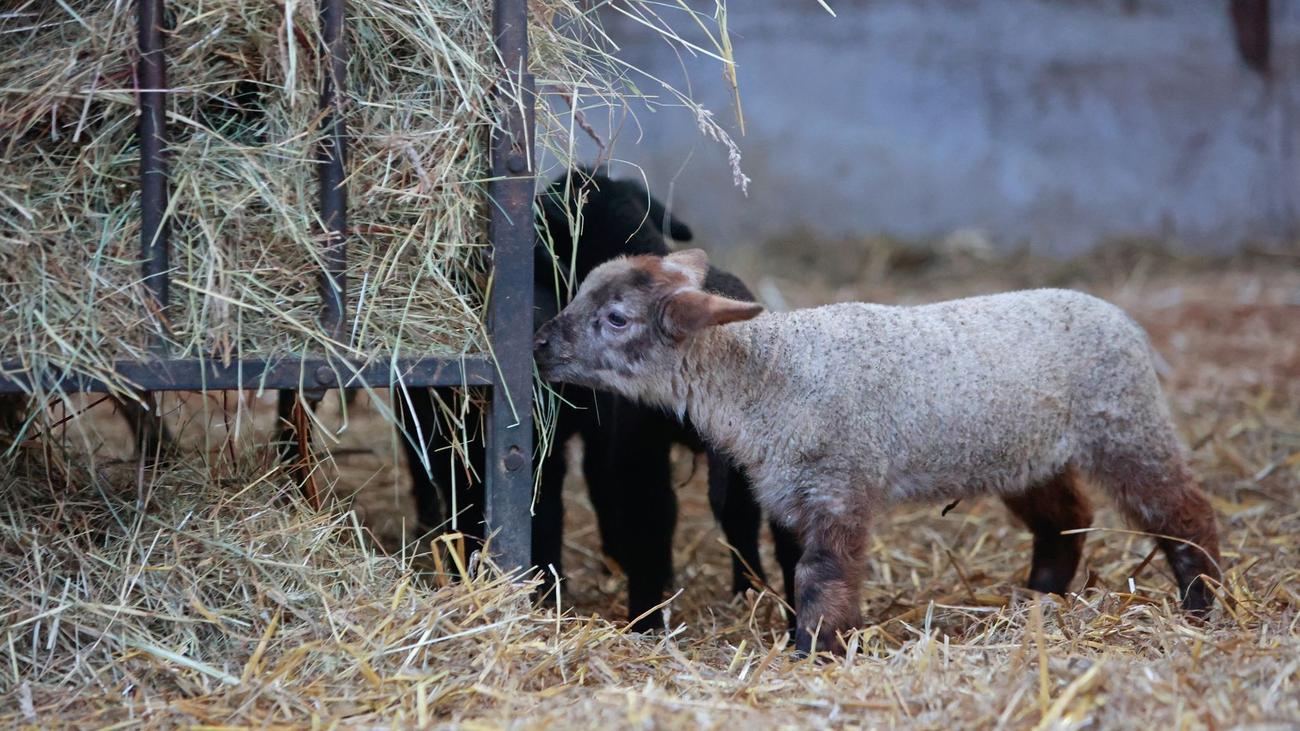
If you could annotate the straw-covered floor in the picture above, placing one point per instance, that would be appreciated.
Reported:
(175, 598)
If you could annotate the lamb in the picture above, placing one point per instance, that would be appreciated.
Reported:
(1022, 395)
(626, 459)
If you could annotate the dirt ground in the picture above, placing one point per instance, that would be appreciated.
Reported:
(941, 598)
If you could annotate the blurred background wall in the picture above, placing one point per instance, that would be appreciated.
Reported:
(1056, 125)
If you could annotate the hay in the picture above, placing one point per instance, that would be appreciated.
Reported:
(243, 122)
(242, 132)
(194, 588)
(227, 602)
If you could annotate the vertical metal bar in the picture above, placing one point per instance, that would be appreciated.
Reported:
(332, 172)
(152, 75)
(510, 416)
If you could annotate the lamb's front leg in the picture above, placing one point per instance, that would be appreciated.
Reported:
(828, 582)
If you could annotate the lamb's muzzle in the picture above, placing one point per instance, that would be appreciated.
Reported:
(554, 364)
(837, 412)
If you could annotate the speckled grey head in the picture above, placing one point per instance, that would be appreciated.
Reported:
(624, 330)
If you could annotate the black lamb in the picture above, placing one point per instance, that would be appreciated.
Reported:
(626, 447)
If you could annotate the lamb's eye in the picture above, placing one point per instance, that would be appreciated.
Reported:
(616, 321)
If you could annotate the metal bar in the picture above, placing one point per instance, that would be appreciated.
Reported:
(151, 73)
(509, 479)
(330, 168)
(192, 374)
(304, 473)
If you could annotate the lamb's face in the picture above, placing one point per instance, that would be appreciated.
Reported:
(610, 337)
(625, 329)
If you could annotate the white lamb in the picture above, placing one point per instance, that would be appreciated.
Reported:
(838, 412)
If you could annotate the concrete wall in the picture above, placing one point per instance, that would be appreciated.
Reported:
(1057, 124)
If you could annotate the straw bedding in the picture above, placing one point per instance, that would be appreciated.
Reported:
(176, 598)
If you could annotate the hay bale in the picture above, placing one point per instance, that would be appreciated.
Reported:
(243, 124)
(243, 120)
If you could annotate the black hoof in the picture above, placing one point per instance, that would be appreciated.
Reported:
(654, 622)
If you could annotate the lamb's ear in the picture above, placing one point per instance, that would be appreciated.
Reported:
(693, 263)
(691, 310)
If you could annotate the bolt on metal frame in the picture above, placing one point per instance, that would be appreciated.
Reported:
(509, 478)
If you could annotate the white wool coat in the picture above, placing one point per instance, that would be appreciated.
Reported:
(841, 410)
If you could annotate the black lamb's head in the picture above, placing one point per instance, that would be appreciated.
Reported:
(617, 218)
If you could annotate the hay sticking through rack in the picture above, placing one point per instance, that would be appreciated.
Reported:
(243, 122)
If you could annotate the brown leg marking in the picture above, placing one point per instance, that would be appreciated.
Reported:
(1167, 502)
(1048, 509)
(828, 583)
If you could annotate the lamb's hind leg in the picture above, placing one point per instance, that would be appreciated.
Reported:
(1047, 510)
(1160, 496)
(828, 582)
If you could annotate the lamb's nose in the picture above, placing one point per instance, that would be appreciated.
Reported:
(540, 339)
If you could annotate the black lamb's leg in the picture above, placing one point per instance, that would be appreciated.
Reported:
(597, 471)
(649, 517)
(788, 552)
(416, 414)
(548, 521)
(741, 519)
(635, 480)
(447, 486)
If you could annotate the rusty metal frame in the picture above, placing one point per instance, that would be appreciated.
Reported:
(509, 376)
(152, 131)
(332, 172)
(509, 478)
(194, 374)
